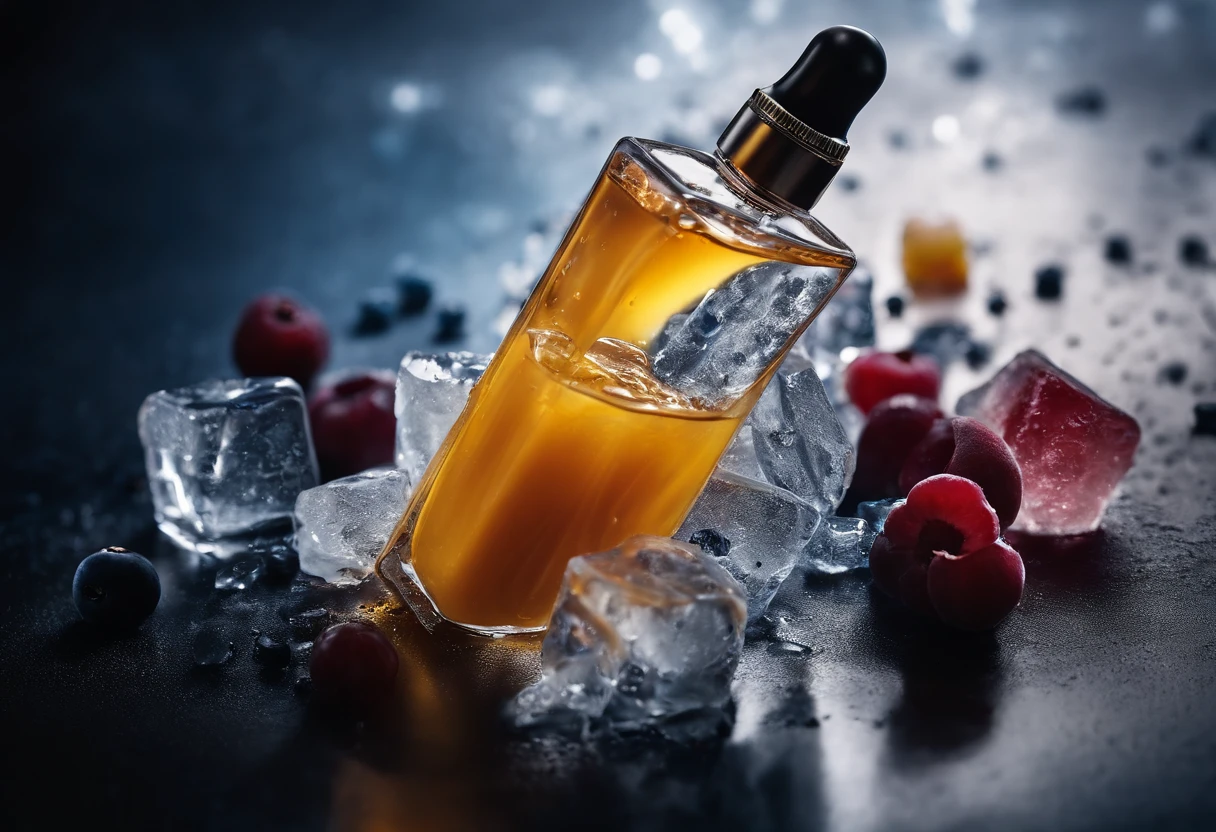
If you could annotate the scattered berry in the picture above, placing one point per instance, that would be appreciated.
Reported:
(898, 139)
(1193, 251)
(450, 325)
(376, 313)
(353, 424)
(997, 303)
(935, 257)
(1118, 250)
(968, 66)
(712, 542)
(413, 295)
(992, 161)
(1203, 142)
(895, 306)
(1205, 419)
(1086, 101)
(270, 653)
(1049, 282)
(1174, 372)
(354, 663)
(115, 588)
(848, 183)
(964, 447)
(892, 430)
(923, 558)
(278, 336)
(877, 376)
(978, 354)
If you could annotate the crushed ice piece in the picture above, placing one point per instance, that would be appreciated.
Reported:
(342, 526)
(875, 512)
(650, 630)
(431, 392)
(226, 459)
(740, 457)
(1073, 446)
(945, 342)
(725, 344)
(799, 442)
(840, 544)
(768, 527)
(240, 572)
(847, 321)
(211, 648)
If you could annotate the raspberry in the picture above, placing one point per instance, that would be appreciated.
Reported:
(279, 336)
(976, 591)
(353, 664)
(877, 376)
(967, 448)
(353, 425)
(893, 429)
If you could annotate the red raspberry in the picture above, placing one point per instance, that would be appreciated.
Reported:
(894, 428)
(967, 448)
(279, 336)
(940, 555)
(354, 664)
(877, 376)
(353, 426)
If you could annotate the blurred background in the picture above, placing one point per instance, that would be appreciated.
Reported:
(163, 162)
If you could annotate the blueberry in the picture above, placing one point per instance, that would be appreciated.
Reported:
(1049, 282)
(711, 542)
(895, 306)
(1086, 101)
(849, 183)
(977, 355)
(1174, 372)
(968, 66)
(997, 303)
(1203, 142)
(1205, 419)
(375, 314)
(413, 295)
(115, 588)
(1118, 249)
(1193, 251)
(450, 325)
(992, 161)
(270, 653)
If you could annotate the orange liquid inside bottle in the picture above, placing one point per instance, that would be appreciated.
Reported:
(569, 444)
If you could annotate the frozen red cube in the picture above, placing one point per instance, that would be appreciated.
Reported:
(1072, 445)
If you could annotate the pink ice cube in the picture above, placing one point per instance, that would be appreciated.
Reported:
(1073, 446)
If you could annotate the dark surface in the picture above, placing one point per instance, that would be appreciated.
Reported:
(162, 162)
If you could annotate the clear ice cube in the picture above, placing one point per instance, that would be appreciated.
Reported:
(875, 512)
(840, 544)
(1072, 445)
(649, 630)
(848, 321)
(342, 526)
(226, 459)
(768, 528)
(431, 392)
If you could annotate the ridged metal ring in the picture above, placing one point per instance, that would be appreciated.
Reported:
(773, 114)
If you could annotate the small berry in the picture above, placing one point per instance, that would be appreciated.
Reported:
(270, 653)
(712, 542)
(1205, 419)
(892, 430)
(353, 423)
(450, 325)
(848, 183)
(965, 447)
(968, 66)
(278, 336)
(116, 589)
(413, 295)
(977, 354)
(1086, 101)
(376, 313)
(877, 376)
(992, 161)
(1118, 250)
(353, 663)
(1174, 372)
(895, 306)
(997, 303)
(1049, 282)
(1193, 251)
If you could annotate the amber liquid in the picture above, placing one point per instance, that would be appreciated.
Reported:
(568, 444)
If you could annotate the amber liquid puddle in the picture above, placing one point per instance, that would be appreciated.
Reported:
(568, 444)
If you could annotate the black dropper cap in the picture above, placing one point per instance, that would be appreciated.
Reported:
(790, 139)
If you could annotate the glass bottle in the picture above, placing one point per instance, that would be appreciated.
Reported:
(665, 311)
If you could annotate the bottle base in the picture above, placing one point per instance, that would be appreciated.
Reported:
(401, 577)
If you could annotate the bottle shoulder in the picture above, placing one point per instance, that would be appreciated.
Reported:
(700, 192)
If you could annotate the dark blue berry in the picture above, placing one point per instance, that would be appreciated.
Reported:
(895, 306)
(997, 303)
(977, 355)
(1193, 251)
(450, 324)
(1174, 372)
(1205, 419)
(849, 183)
(1203, 142)
(992, 161)
(376, 314)
(1049, 282)
(711, 542)
(413, 295)
(115, 588)
(1086, 101)
(968, 66)
(270, 653)
(1118, 249)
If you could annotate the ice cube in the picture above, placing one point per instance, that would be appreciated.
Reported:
(738, 329)
(226, 459)
(651, 629)
(840, 544)
(431, 392)
(740, 457)
(342, 526)
(875, 512)
(799, 442)
(768, 527)
(1073, 446)
(848, 321)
